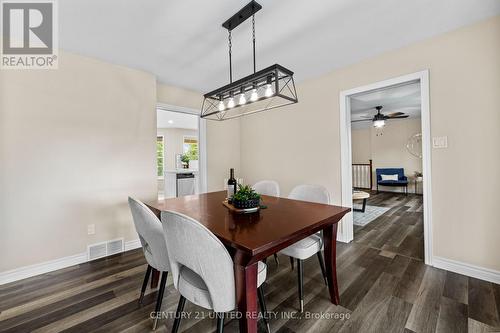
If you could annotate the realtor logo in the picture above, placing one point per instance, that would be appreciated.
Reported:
(29, 39)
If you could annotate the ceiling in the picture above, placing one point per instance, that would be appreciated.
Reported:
(169, 119)
(401, 98)
(183, 44)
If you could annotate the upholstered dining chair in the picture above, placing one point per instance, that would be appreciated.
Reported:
(271, 188)
(309, 246)
(202, 269)
(150, 232)
(267, 187)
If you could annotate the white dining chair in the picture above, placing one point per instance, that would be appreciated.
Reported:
(150, 232)
(311, 245)
(267, 187)
(202, 269)
(271, 188)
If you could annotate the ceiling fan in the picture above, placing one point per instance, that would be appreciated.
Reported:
(379, 119)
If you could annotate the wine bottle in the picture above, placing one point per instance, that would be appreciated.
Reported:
(231, 184)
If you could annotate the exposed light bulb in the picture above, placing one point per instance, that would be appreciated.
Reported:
(269, 90)
(230, 103)
(254, 96)
(222, 107)
(379, 123)
(242, 99)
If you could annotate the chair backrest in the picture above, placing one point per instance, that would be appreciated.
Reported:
(390, 171)
(267, 187)
(150, 232)
(312, 193)
(192, 245)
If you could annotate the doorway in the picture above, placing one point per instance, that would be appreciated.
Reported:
(347, 101)
(180, 152)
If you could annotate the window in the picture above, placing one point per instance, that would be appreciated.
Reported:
(190, 147)
(160, 155)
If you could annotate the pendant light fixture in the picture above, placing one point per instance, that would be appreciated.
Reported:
(266, 89)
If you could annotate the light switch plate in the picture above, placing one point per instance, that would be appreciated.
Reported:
(91, 229)
(440, 142)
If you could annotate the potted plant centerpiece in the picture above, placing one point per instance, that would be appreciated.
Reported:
(245, 197)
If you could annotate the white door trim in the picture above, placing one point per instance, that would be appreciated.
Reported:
(202, 139)
(346, 233)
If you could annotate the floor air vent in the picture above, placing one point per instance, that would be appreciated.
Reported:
(99, 250)
(115, 246)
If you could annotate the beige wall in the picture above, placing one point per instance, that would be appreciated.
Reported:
(174, 143)
(223, 138)
(386, 148)
(300, 143)
(361, 141)
(74, 143)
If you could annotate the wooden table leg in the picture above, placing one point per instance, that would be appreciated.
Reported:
(155, 277)
(246, 295)
(330, 242)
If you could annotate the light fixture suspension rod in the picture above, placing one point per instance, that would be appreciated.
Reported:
(230, 59)
(253, 40)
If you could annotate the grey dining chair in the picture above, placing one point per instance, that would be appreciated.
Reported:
(202, 269)
(271, 188)
(267, 187)
(311, 245)
(150, 232)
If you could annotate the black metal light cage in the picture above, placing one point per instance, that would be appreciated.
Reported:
(278, 77)
(267, 89)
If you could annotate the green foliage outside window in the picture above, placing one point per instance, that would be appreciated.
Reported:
(160, 149)
(190, 148)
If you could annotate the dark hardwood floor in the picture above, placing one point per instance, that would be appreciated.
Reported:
(399, 231)
(384, 287)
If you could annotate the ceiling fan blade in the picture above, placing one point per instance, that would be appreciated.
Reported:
(355, 121)
(397, 117)
(393, 114)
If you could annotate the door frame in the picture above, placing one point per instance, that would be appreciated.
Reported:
(202, 139)
(346, 230)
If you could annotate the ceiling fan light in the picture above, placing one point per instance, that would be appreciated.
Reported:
(379, 123)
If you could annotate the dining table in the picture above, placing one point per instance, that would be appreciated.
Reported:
(252, 237)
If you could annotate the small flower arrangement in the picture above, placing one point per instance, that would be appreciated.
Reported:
(245, 197)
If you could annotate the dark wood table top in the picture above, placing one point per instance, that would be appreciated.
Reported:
(282, 223)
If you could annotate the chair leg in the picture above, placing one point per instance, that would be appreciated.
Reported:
(322, 265)
(161, 290)
(178, 314)
(220, 322)
(291, 262)
(276, 259)
(300, 274)
(263, 307)
(145, 284)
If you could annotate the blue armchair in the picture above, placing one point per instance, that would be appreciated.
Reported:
(401, 182)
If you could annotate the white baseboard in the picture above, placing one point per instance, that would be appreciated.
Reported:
(477, 272)
(41, 268)
(53, 265)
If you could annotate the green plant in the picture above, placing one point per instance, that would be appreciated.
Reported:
(418, 174)
(245, 193)
(184, 158)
